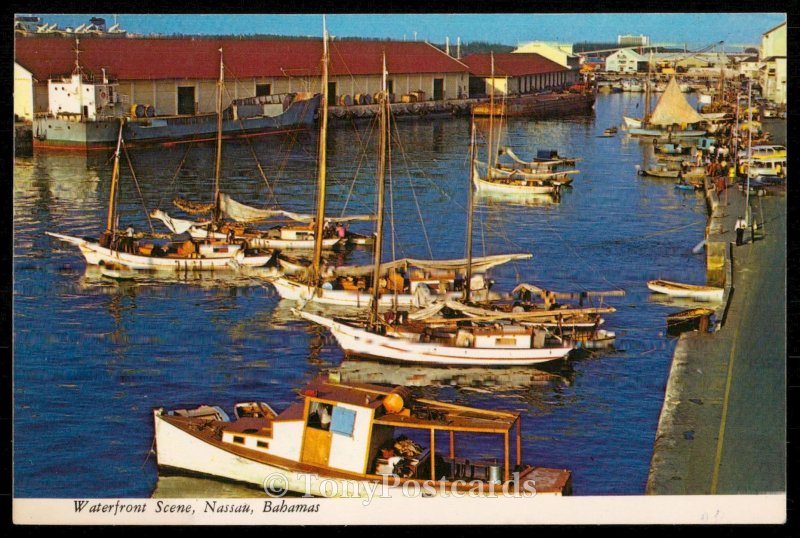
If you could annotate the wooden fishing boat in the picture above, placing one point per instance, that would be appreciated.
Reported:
(513, 185)
(509, 345)
(520, 175)
(690, 291)
(402, 283)
(139, 252)
(661, 172)
(693, 319)
(348, 435)
(473, 345)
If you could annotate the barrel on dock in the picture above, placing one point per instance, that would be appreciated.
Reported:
(138, 110)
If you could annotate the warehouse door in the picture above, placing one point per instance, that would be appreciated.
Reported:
(186, 100)
(332, 94)
(438, 89)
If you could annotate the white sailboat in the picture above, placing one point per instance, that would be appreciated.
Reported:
(474, 345)
(670, 117)
(132, 251)
(511, 182)
(402, 283)
(238, 226)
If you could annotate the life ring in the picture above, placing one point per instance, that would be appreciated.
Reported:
(102, 94)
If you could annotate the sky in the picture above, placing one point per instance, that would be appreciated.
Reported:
(696, 30)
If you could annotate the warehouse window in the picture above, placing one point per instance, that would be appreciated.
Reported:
(263, 89)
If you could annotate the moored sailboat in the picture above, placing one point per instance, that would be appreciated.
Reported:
(136, 251)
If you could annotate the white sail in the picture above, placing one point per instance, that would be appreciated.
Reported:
(243, 213)
(177, 226)
(673, 108)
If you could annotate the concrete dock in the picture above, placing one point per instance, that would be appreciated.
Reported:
(722, 428)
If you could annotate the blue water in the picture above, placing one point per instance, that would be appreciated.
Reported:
(92, 356)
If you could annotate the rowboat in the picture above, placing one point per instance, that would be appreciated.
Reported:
(660, 172)
(345, 439)
(693, 319)
(690, 291)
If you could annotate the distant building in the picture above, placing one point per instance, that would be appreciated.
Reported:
(624, 61)
(749, 67)
(633, 40)
(23, 93)
(772, 75)
(560, 53)
(516, 74)
(178, 75)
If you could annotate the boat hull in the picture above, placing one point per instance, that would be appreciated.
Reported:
(56, 133)
(97, 255)
(483, 185)
(181, 451)
(686, 291)
(359, 342)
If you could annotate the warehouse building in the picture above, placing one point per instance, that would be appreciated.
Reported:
(178, 75)
(516, 73)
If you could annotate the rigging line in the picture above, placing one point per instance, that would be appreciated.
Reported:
(362, 159)
(391, 185)
(177, 172)
(413, 191)
(138, 189)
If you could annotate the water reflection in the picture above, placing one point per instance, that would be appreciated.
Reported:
(477, 379)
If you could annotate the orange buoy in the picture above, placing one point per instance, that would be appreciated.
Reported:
(396, 400)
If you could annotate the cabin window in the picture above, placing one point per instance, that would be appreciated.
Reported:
(319, 416)
(343, 421)
(238, 439)
(262, 444)
(263, 89)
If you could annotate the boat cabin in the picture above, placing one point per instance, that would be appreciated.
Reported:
(356, 429)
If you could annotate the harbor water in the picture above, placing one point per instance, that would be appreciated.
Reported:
(93, 356)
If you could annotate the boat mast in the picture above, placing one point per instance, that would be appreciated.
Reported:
(220, 85)
(470, 207)
(114, 180)
(322, 156)
(647, 95)
(384, 142)
(491, 118)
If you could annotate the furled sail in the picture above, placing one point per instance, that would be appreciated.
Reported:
(244, 213)
(177, 226)
(673, 108)
(190, 207)
(479, 264)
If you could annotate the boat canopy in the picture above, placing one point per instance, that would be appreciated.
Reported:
(673, 108)
(493, 315)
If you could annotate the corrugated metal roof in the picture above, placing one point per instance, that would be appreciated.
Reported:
(198, 58)
(512, 64)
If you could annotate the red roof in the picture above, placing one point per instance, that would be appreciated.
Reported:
(198, 58)
(512, 64)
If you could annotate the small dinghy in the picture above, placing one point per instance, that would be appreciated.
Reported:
(694, 319)
(689, 291)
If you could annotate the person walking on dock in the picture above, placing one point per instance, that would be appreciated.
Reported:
(741, 225)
